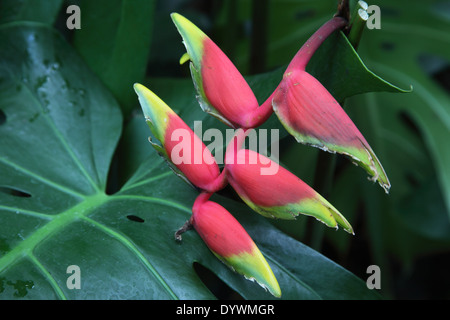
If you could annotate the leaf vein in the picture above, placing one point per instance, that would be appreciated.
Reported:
(131, 246)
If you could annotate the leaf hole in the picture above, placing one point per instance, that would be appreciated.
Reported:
(14, 192)
(134, 218)
(2, 117)
(217, 287)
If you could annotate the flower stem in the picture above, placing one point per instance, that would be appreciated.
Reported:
(201, 199)
(357, 23)
(305, 53)
(260, 115)
(299, 62)
(187, 226)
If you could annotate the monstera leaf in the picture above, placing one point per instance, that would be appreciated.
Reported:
(412, 130)
(416, 62)
(59, 129)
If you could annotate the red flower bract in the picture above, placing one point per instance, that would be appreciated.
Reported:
(180, 146)
(313, 116)
(220, 230)
(272, 190)
(189, 154)
(304, 103)
(229, 242)
(268, 190)
(225, 87)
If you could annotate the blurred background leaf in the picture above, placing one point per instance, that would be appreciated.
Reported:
(30, 10)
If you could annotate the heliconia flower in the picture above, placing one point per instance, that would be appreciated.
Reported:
(222, 90)
(276, 193)
(313, 116)
(183, 149)
(230, 243)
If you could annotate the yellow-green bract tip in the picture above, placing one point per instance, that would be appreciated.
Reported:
(192, 36)
(254, 267)
(155, 110)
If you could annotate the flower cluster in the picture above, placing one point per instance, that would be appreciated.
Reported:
(304, 107)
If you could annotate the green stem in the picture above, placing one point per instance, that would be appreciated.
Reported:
(357, 23)
(200, 200)
(305, 53)
(299, 62)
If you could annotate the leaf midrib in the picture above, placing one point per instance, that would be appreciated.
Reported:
(57, 223)
(81, 211)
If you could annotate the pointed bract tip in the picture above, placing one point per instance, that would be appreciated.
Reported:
(192, 36)
(274, 192)
(221, 89)
(312, 115)
(180, 146)
(153, 107)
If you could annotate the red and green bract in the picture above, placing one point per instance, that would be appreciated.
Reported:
(229, 242)
(305, 108)
(279, 194)
(181, 147)
(222, 90)
(312, 115)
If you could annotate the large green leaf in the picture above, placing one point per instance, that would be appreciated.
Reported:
(58, 131)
